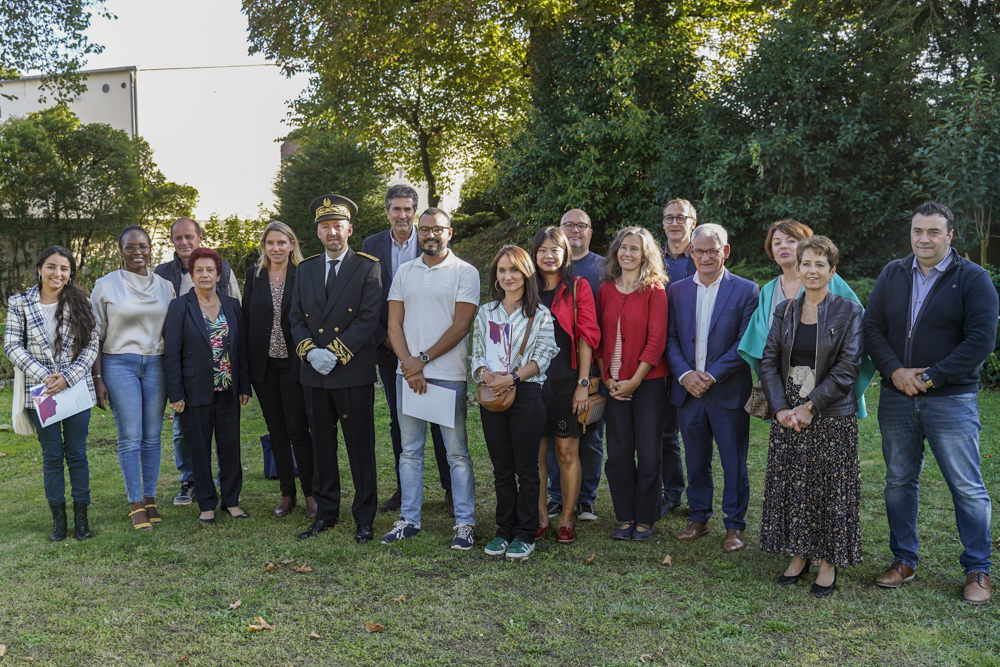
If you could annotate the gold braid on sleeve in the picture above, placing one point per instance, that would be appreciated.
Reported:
(302, 349)
(341, 350)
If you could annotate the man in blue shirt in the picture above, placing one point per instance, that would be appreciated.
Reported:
(576, 225)
(679, 220)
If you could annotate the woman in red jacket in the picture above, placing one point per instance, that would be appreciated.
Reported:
(567, 379)
(632, 314)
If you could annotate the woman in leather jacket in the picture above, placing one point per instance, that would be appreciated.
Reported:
(810, 364)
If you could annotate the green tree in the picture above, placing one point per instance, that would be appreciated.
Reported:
(48, 36)
(330, 164)
(428, 86)
(960, 160)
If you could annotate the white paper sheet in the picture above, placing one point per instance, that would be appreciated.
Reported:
(52, 409)
(437, 406)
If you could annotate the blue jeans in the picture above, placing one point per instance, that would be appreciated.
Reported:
(413, 435)
(951, 426)
(182, 453)
(64, 440)
(591, 458)
(138, 393)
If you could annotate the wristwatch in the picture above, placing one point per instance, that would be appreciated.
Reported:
(424, 358)
(813, 410)
(927, 380)
(583, 382)
(517, 379)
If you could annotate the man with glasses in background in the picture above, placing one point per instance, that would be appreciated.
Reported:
(576, 225)
(707, 315)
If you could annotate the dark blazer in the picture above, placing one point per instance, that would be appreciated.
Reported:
(187, 353)
(380, 246)
(345, 324)
(954, 332)
(734, 305)
(258, 311)
(838, 355)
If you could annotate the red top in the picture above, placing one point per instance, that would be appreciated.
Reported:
(586, 315)
(644, 329)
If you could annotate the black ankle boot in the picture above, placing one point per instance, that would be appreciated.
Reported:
(58, 523)
(80, 522)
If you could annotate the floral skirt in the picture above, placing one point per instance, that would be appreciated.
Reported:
(812, 489)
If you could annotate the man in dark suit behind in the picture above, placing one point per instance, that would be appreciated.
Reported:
(393, 248)
(708, 314)
(334, 313)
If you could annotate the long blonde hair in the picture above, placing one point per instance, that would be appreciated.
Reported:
(277, 226)
(652, 259)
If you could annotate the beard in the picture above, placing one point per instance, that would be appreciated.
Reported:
(434, 249)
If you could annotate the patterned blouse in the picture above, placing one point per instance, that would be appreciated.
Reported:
(496, 340)
(278, 349)
(218, 336)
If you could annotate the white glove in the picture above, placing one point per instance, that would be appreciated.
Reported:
(322, 360)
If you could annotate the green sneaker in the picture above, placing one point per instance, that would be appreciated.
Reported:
(519, 549)
(496, 547)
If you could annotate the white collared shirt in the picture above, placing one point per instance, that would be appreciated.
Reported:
(403, 252)
(335, 263)
(703, 318)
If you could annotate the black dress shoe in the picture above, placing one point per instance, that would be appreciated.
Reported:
(316, 528)
(669, 505)
(792, 580)
(364, 534)
(823, 591)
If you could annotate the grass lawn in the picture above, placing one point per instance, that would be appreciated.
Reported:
(162, 598)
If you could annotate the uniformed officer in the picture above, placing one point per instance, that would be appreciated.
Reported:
(334, 312)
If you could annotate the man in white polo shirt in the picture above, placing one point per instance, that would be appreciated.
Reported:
(432, 303)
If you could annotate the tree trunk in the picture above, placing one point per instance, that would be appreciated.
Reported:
(423, 141)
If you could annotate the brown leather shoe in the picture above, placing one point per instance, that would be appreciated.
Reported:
(693, 531)
(285, 507)
(310, 508)
(734, 540)
(394, 503)
(898, 574)
(977, 588)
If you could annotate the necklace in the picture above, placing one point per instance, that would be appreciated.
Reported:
(278, 279)
(209, 305)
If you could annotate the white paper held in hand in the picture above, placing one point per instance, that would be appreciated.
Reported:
(437, 406)
(52, 409)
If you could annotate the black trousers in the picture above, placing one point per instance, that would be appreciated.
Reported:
(512, 438)
(671, 468)
(222, 416)
(284, 407)
(388, 375)
(353, 408)
(635, 433)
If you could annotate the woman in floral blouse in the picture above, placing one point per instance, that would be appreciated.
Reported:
(205, 363)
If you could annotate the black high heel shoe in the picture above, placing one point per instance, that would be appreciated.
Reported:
(784, 580)
(823, 591)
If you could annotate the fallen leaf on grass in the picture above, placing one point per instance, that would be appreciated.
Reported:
(27, 659)
(373, 627)
(3, 454)
(667, 560)
(236, 605)
(287, 561)
(548, 578)
(3, 650)
(184, 659)
(313, 635)
(642, 658)
(399, 598)
(270, 566)
(590, 561)
(302, 569)
(261, 624)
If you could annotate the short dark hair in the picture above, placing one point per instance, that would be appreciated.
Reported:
(933, 208)
(205, 253)
(401, 190)
(821, 245)
(788, 227)
(197, 227)
(133, 228)
(436, 211)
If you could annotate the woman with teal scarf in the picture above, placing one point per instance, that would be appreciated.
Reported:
(781, 244)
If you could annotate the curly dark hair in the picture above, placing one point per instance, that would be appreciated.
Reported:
(74, 301)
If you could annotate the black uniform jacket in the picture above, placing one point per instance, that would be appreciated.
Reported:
(380, 246)
(187, 352)
(258, 311)
(345, 324)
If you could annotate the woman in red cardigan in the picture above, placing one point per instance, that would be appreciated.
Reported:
(567, 378)
(632, 314)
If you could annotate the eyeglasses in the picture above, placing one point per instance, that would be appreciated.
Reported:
(131, 247)
(437, 231)
(711, 252)
(676, 219)
(579, 226)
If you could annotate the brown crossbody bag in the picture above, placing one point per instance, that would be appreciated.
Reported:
(757, 405)
(595, 404)
(494, 403)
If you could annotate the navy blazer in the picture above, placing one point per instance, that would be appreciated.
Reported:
(258, 311)
(734, 305)
(187, 352)
(380, 246)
